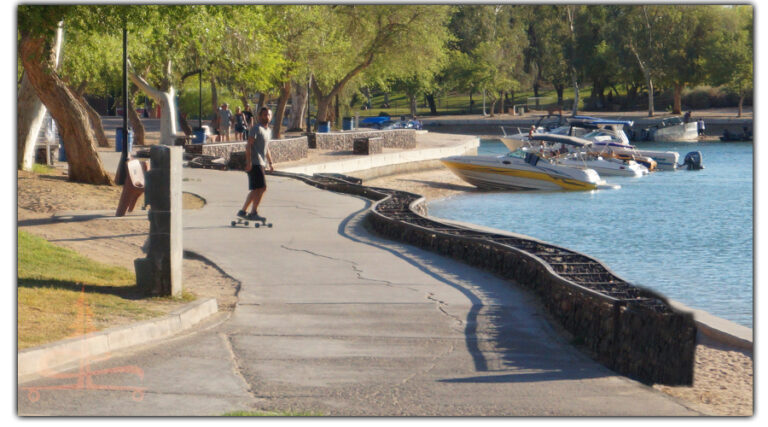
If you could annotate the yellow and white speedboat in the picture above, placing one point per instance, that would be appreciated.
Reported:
(522, 170)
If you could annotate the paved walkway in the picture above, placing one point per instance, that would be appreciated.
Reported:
(336, 321)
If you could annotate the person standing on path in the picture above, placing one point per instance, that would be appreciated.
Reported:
(257, 156)
(701, 127)
(225, 119)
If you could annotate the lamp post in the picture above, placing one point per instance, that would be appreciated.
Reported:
(120, 178)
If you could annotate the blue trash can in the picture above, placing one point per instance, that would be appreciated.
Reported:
(62, 153)
(347, 123)
(119, 139)
(199, 136)
(324, 127)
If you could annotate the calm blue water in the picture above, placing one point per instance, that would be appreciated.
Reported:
(686, 234)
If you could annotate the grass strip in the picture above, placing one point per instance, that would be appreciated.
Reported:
(62, 294)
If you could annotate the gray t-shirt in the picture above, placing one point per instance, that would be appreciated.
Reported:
(261, 137)
(224, 118)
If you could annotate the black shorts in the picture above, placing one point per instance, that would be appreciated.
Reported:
(256, 177)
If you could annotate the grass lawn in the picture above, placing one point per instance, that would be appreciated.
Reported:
(62, 294)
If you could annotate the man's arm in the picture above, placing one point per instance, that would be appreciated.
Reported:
(269, 160)
(248, 146)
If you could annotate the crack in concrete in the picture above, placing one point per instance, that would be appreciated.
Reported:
(441, 306)
(236, 368)
(358, 272)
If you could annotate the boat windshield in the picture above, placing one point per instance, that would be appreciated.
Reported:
(518, 154)
(597, 134)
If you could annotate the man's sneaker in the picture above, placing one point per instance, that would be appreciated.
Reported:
(253, 216)
(241, 214)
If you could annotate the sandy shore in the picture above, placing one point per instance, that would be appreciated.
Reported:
(723, 375)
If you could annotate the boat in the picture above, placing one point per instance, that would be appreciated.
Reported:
(522, 169)
(582, 156)
(672, 129)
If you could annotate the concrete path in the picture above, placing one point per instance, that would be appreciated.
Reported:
(335, 321)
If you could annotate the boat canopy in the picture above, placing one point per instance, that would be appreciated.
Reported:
(561, 139)
(595, 122)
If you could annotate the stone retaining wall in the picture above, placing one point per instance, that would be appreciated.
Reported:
(635, 341)
(282, 150)
(343, 141)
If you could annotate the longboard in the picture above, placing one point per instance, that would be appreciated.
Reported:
(245, 222)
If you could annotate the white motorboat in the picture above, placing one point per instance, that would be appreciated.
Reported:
(522, 169)
(609, 139)
(672, 129)
(581, 156)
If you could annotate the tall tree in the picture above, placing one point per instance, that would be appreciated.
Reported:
(31, 113)
(731, 57)
(396, 39)
(37, 26)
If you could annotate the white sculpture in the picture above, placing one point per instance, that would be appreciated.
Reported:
(166, 100)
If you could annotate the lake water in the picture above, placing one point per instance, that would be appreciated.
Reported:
(686, 234)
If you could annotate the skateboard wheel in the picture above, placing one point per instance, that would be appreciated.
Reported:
(233, 223)
(269, 225)
(246, 223)
(256, 224)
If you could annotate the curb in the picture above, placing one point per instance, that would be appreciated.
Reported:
(718, 329)
(50, 359)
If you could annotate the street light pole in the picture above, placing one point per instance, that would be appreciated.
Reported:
(200, 99)
(122, 170)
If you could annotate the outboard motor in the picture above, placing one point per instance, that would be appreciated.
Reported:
(693, 161)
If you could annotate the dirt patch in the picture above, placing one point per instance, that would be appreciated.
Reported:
(115, 241)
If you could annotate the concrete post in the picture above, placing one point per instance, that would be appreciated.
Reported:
(160, 272)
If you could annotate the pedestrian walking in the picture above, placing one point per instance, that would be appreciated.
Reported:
(225, 121)
(701, 126)
(240, 129)
(248, 116)
(257, 156)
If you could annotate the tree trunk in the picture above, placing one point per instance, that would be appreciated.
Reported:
(575, 108)
(97, 126)
(677, 99)
(650, 95)
(139, 135)
(432, 105)
(38, 58)
(741, 103)
(412, 99)
(262, 102)
(285, 93)
(31, 113)
(214, 97)
(493, 106)
(298, 105)
(559, 89)
(323, 104)
(501, 104)
(166, 100)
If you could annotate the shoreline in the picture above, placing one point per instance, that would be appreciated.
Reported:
(723, 373)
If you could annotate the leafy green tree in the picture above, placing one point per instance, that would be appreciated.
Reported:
(394, 39)
(37, 26)
(731, 57)
(690, 41)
